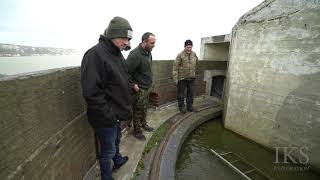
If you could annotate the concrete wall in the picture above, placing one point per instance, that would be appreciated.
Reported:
(273, 89)
(217, 52)
(215, 48)
(166, 90)
(44, 132)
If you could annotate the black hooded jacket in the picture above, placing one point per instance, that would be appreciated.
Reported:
(105, 85)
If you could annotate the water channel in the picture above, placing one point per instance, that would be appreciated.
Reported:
(196, 161)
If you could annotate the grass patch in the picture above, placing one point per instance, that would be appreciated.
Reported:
(153, 142)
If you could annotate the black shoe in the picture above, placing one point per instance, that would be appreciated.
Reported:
(190, 109)
(121, 162)
(139, 135)
(182, 110)
(147, 128)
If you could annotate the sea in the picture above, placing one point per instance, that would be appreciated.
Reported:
(26, 64)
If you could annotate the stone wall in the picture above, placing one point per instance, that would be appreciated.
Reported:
(44, 132)
(273, 88)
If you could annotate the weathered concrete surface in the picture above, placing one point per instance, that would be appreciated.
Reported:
(208, 76)
(44, 133)
(273, 89)
(215, 48)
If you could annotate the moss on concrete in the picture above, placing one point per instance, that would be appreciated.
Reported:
(152, 143)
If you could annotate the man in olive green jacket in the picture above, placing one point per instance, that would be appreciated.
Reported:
(184, 74)
(139, 64)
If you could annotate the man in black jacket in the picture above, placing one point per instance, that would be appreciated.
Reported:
(105, 85)
(139, 64)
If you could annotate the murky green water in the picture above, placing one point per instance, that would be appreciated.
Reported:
(196, 161)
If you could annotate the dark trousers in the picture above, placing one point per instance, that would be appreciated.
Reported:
(182, 85)
(109, 140)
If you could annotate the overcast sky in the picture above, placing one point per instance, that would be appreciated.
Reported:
(77, 24)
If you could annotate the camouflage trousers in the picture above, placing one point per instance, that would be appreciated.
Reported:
(140, 105)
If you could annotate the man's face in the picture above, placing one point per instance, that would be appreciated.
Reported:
(188, 49)
(121, 43)
(150, 43)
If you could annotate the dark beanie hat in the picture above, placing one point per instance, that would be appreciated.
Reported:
(118, 28)
(188, 42)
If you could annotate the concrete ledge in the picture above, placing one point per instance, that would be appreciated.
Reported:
(134, 148)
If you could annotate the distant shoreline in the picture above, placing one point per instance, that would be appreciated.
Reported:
(37, 55)
(12, 50)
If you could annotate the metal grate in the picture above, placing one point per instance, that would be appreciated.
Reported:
(245, 173)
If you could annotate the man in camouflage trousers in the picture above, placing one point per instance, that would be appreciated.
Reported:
(184, 74)
(139, 64)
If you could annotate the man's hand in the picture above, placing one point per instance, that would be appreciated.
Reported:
(136, 87)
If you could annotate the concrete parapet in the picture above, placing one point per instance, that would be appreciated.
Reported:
(44, 132)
